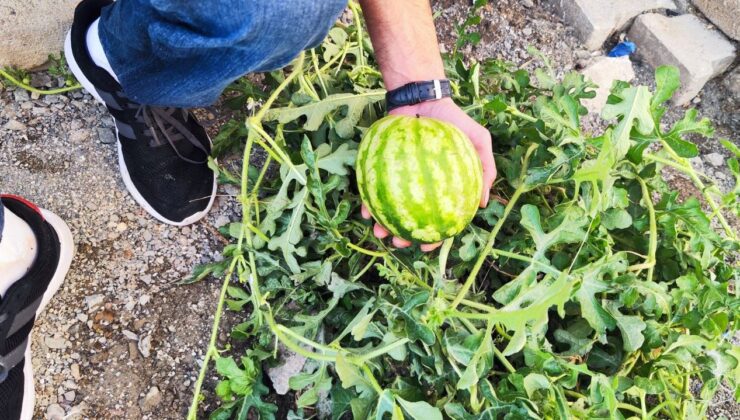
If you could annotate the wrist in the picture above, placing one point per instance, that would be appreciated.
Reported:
(395, 79)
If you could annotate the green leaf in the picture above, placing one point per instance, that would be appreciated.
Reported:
(630, 326)
(386, 404)
(633, 111)
(316, 112)
(420, 410)
(568, 231)
(240, 381)
(340, 401)
(592, 284)
(535, 382)
(667, 81)
(616, 219)
(415, 327)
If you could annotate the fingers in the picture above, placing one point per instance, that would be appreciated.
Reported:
(430, 247)
(400, 243)
(482, 142)
(380, 232)
(365, 212)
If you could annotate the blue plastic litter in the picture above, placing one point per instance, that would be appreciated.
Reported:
(622, 49)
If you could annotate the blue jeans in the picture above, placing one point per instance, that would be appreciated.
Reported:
(184, 53)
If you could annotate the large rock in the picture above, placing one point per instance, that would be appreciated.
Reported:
(723, 13)
(685, 42)
(604, 71)
(595, 20)
(30, 30)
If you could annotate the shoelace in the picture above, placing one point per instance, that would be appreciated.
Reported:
(172, 130)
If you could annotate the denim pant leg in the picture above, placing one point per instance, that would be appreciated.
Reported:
(185, 52)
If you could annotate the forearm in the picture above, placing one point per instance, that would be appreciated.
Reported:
(404, 39)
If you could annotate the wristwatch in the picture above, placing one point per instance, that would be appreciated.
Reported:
(418, 92)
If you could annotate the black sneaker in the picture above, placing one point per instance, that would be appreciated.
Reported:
(24, 300)
(162, 152)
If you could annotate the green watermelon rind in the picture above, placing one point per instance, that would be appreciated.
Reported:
(426, 199)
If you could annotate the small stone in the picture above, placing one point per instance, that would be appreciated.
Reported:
(527, 31)
(130, 335)
(15, 125)
(133, 353)
(75, 371)
(106, 135)
(82, 317)
(221, 221)
(685, 42)
(292, 363)
(604, 71)
(121, 227)
(94, 301)
(714, 159)
(55, 343)
(144, 299)
(69, 396)
(527, 3)
(151, 400)
(147, 236)
(145, 346)
(20, 95)
(54, 412)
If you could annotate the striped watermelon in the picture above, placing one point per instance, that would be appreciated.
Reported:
(419, 177)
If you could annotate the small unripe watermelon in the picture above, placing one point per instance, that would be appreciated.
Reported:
(419, 177)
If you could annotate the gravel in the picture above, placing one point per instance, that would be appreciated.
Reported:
(121, 339)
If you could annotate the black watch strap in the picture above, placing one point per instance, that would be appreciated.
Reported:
(418, 92)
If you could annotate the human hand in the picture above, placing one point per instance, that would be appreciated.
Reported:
(446, 110)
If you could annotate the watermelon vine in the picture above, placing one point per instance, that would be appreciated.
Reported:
(588, 288)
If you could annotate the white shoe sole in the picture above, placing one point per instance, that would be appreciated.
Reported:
(66, 252)
(90, 88)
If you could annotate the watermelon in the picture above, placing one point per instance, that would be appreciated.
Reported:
(420, 178)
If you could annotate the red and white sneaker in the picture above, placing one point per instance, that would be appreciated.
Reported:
(25, 299)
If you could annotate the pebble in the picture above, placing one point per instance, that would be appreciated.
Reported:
(54, 412)
(145, 346)
(221, 221)
(78, 136)
(55, 343)
(121, 227)
(528, 4)
(15, 125)
(94, 301)
(105, 135)
(151, 400)
(130, 335)
(75, 371)
(69, 396)
(147, 235)
(714, 159)
(20, 95)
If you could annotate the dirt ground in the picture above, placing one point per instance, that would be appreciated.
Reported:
(121, 339)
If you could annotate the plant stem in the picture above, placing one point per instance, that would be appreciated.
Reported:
(366, 251)
(315, 60)
(683, 166)
(193, 411)
(492, 236)
(500, 356)
(30, 88)
(653, 240)
(358, 24)
(546, 267)
(381, 350)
